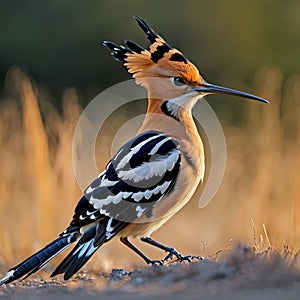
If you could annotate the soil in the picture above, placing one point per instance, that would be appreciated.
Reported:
(243, 275)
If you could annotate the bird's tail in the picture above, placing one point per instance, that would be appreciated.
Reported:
(39, 259)
(88, 244)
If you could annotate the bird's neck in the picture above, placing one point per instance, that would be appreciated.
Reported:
(180, 125)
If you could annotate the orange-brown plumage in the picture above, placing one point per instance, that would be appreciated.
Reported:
(141, 65)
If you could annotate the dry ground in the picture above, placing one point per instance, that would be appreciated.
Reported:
(243, 275)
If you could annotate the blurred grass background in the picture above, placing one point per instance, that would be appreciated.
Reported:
(52, 65)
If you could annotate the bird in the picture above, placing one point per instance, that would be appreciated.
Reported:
(152, 176)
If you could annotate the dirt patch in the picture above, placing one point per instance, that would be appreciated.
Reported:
(243, 275)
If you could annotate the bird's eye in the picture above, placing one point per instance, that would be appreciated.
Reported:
(178, 81)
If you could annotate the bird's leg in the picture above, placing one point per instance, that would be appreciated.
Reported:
(149, 261)
(172, 251)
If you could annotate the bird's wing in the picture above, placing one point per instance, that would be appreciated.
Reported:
(142, 172)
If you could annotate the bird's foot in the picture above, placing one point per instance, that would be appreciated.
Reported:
(179, 257)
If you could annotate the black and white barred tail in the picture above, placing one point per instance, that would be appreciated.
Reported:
(39, 259)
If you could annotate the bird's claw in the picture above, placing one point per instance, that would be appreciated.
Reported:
(180, 257)
(169, 257)
(190, 258)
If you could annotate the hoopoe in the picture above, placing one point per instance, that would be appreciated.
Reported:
(152, 176)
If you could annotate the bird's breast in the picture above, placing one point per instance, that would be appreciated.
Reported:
(190, 175)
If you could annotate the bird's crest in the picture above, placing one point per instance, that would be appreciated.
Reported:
(160, 60)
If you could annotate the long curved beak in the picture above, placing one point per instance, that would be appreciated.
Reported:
(208, 88)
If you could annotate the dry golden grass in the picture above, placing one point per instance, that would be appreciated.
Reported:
(38, 189)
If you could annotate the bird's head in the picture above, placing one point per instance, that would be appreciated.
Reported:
(165, 72)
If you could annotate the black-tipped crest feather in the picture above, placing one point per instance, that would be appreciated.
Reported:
(134, 47)
(119, 52)
(151, 34)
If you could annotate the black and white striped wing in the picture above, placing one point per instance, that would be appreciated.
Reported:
(141, 173)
